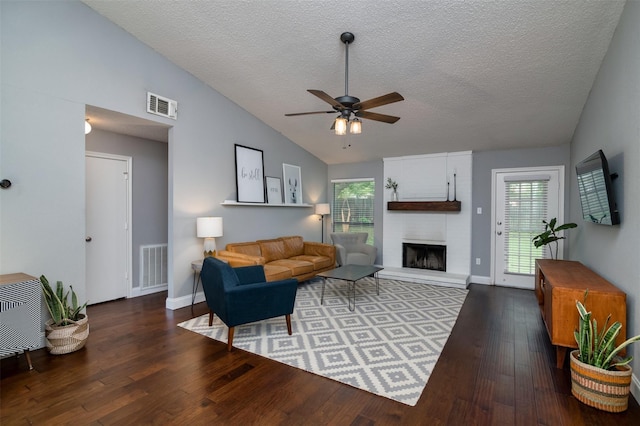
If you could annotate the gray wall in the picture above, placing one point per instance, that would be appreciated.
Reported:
(58, 57)
(372, 169)
(149, 187)
(483, 163)
(610, 121)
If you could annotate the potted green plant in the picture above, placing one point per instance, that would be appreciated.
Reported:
(600, 378)
(392, 184)
(550, 235)
(68, 329)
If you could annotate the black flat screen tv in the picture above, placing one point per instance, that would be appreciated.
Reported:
(594, 187)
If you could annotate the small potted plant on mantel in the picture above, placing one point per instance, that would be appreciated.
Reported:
(68, 329)
(392, 184)
(599, 377)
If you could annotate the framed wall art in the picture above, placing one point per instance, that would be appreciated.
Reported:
(274, 190)
(292, 181)
(249, 174)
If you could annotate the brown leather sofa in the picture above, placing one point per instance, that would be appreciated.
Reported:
(284, 257)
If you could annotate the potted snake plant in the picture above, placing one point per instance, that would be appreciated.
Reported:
(600, 378)
(68, 329)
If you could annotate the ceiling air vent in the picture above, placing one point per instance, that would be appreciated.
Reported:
(162, 106)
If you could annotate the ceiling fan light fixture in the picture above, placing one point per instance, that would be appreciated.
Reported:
(356, 127)
(341, 126)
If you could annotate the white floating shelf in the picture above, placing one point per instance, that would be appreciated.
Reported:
(235, 203)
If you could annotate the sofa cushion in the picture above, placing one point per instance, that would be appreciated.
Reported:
(277, 273)
(319, 262)
(252, 248)
(298, 267)
(272, 250)
(293, 246)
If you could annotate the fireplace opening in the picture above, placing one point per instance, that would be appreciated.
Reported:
(424, 256)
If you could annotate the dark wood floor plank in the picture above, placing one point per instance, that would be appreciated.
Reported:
(138, 367)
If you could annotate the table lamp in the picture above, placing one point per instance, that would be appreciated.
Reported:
(209, 228)
(323, 209)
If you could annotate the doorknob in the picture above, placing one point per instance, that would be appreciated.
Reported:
(499, 232)
(88, 239)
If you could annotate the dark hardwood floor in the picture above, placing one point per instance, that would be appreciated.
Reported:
(138, 367)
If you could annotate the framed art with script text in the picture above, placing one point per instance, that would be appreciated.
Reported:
(249, 174)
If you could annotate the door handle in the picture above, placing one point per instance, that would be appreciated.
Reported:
(88, 239)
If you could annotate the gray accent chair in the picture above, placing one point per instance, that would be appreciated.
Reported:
(351, 248)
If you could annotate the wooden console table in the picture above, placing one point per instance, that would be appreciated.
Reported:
(559, 284)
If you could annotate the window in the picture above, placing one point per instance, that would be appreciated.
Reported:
(353, 202)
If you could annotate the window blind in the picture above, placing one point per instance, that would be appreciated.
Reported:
(525, 209)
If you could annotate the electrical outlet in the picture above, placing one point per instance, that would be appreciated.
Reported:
(477, 260)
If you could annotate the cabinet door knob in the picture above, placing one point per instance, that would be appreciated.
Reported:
(499, 232)
(88, 239)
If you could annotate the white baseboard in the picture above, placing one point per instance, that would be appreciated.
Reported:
(174, 303)
(478, 279)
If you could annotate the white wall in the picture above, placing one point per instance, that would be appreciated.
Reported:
(611, 121)
(59, 56)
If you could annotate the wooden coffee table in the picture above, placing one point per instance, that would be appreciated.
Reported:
(351, 274)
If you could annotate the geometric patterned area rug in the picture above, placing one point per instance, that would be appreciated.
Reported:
(388, 346)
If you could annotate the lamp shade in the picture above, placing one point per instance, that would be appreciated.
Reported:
(341, 126)
(87, 127)
(323, 209)
(356, 127)
(209, 227)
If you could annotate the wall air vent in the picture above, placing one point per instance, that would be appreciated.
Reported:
(162, 106)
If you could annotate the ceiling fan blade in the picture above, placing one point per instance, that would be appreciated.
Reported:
(328, 99)
(308, 113)
(377, 117)
(389, 98)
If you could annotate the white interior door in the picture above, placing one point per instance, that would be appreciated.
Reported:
(523, 198)
(108, 237)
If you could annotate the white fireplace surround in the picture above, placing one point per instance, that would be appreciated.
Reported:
(424, 178)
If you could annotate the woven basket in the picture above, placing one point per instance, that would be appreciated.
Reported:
(603, 389)
(68, 338)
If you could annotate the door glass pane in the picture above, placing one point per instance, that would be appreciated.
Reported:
(525, 209)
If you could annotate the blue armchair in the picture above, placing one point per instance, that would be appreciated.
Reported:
(243, 295)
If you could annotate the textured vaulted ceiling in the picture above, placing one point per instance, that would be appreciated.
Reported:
(475, 75)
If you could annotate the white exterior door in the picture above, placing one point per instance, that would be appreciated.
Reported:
(108, 237)
(522, 199)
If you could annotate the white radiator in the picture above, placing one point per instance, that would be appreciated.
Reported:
(153, 266)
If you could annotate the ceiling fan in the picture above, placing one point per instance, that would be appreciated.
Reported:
(347, 105)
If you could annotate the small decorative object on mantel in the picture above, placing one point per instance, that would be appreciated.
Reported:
(392, 184)
(599, 377)
(454, 185)
(67, 330)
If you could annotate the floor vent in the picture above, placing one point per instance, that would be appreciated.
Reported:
(153, 266)
(162, 106)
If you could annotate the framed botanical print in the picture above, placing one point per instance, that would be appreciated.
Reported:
(249, 174)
